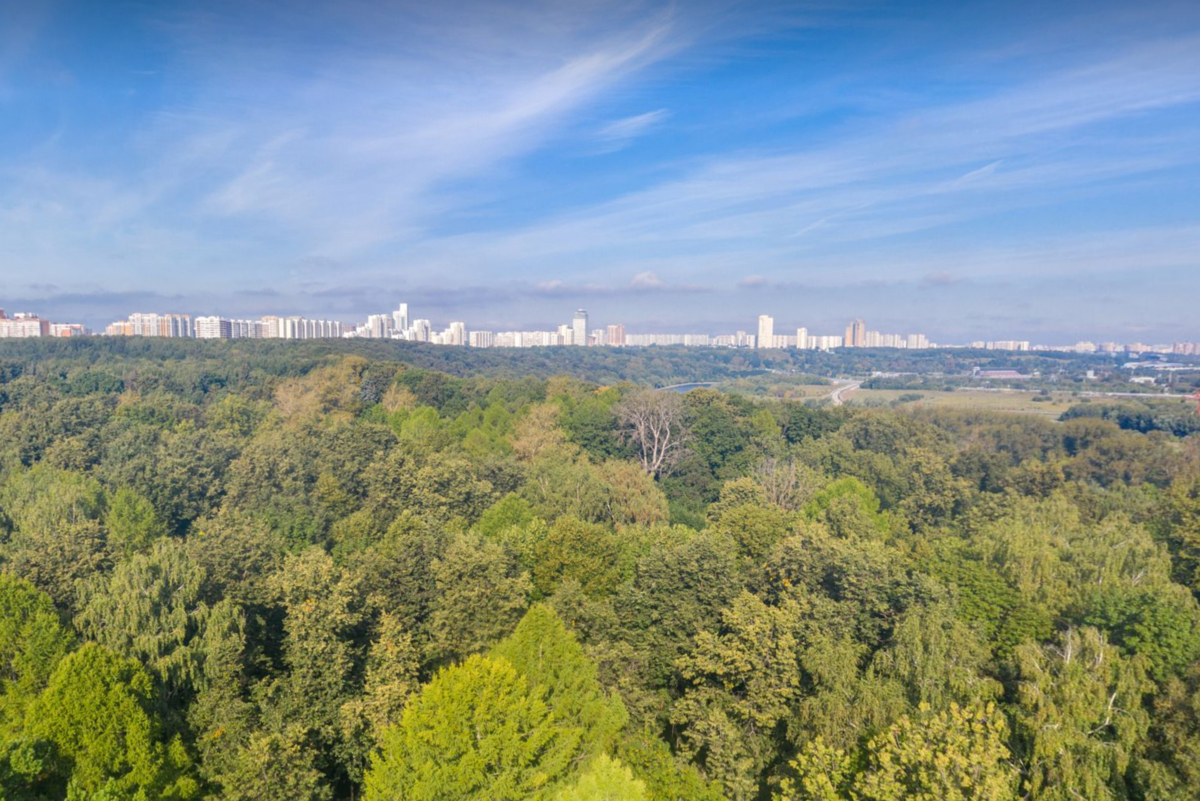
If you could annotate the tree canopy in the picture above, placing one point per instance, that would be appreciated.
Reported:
(270, 571)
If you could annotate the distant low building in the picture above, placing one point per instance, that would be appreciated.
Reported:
(1000, 375)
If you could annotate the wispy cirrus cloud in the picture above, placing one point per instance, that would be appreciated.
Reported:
(359, 152)
(343, 181)
(363, 146)
(1034, 144)
(620, 133)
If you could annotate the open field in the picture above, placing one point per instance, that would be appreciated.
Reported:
(998, 400)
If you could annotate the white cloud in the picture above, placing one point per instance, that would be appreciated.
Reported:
(379, 155)
(359, 138)
(647, 280)
(620, 133)
(927, 169)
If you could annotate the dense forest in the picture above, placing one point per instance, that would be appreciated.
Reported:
(278, 571)
(652, 366)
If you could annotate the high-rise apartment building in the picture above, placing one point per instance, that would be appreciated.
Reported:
(766, 331)
(247, 329)
(856, 335)
(615, 335)
(400, 318)
(144, 325)
(827, 342)
(177, 325)
(579, 328)
(802, 339)
(379, 326)
(141, 324)
(302, 328)
(23, 326)
(291, 327)
(213, 328)
(481, 339)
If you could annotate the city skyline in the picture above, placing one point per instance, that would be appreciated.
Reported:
(398, 325)
(960, 169)
(841, 327)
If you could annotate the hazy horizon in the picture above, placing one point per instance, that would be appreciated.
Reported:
(978, 171)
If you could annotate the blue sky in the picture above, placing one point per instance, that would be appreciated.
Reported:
(972, 170)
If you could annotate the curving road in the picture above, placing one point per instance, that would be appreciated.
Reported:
(838, 396)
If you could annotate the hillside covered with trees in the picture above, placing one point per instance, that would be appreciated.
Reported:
(265, 572)
(651, 366)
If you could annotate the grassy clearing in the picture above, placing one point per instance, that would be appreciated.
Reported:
(998, 401)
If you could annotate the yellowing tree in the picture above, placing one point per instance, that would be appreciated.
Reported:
(958, 754)
(605, 780)
(554, 664)
(475, 733)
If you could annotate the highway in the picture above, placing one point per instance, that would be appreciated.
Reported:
(838, 396)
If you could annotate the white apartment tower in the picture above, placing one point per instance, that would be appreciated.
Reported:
(379, 326)
(160, 325)
(766, 331)
(579, 327)
(213, 328)
(481, 339)
(23, 326)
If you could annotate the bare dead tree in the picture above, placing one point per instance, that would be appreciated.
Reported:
(789, 484)
(653, 421)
